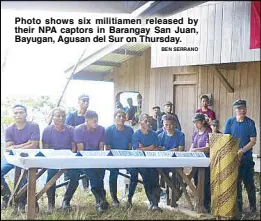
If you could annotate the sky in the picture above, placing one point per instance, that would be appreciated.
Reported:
(32, 69)
(39, 70)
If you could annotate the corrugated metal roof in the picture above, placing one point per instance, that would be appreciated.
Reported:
(99, 68)
(116, 57)
(89, 72)
(137, 47)
(120, 58)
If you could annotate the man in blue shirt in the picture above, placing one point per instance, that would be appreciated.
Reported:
(145, 139)
(171, 138)
(118, 136)
(243, 128)
(76, 118)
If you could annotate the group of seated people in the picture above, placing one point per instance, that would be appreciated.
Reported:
(89, 135)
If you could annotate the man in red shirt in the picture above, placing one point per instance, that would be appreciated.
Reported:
(205, 110)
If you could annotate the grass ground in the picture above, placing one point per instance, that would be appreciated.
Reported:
(83, 208)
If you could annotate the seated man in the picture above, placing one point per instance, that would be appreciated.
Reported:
(91, 136)
(118, 136)
(59, 136)
(20, 135)
(145, 139)
(171, 139)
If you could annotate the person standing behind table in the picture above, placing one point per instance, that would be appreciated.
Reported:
(59, 136)
(91, 136)
(205, 109)
(118, 136)
(214, 125)
(130, 110)
(168, 110)
(20, 135)
(145, 139)
(76, 118)
(156, 124)
(243, 128)
(200, 143)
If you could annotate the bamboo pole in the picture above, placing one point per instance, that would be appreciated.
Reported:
(67, 83)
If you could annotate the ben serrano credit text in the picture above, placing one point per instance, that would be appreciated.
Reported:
(179, 48)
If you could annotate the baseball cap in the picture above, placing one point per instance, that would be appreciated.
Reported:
(168, 103)
(239, 103)
(84, 97)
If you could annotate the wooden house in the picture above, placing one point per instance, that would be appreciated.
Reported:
(224, 66)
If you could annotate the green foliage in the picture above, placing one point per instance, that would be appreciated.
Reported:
(7, 120)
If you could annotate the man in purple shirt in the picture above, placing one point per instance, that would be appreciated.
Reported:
(20, 135)
(91, 136)
(59, 136)
(200, 143)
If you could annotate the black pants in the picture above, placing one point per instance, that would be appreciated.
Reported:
(246, 174)
(150, 179)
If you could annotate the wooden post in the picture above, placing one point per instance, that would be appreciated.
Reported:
(31, 189)
(200, 189)
(174, 196)
(17, 186)
(167, 194)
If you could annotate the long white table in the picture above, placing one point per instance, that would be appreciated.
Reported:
(63, 160)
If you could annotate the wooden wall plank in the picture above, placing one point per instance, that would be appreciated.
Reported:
(211, 33)
(216, 96)
(136, 73)
(152, 89)
(203, 35)
(218, 34)
(237, 32)
(248, 55)
(183, 55)
(230, 96)
(189, 37)
(210, 86)
(147, 83)
(237, 82)
(222, 103)
(196, 38)
(243, 81)
(227, 32)
(250, 90)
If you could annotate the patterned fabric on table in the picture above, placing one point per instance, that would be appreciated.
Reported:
(223, 174)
